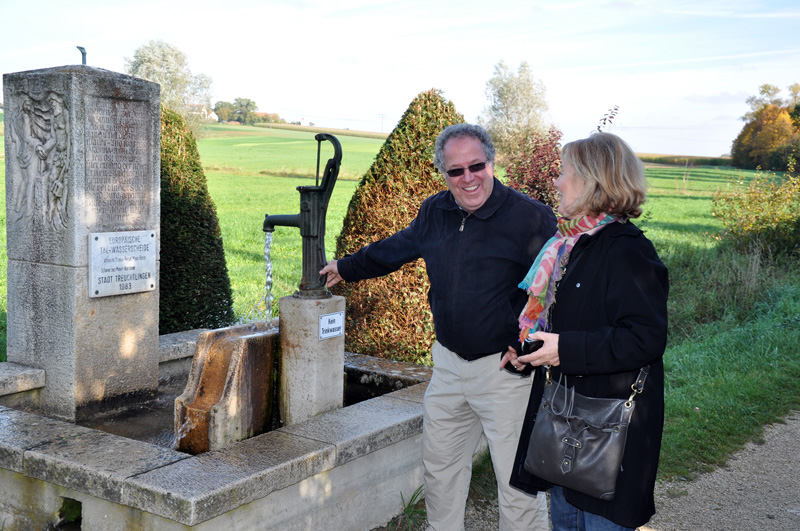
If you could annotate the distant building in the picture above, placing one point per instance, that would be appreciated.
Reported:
(205, 113)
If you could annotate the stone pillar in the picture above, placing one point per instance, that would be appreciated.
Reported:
(83, 151)
(311, 361)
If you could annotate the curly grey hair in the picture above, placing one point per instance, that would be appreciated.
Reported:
(458, 131)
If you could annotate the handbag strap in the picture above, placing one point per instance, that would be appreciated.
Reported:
(569, 395)
(636, 387)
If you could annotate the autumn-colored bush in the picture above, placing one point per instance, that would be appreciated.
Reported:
(390, 316)
(195, 291)
(765, 210)
(534, 168)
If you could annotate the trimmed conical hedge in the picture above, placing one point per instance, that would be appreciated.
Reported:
(195, 291)
(389, 316)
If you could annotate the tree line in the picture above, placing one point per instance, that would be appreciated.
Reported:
(770, 138)
(243, 110)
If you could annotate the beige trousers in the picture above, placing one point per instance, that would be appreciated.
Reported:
(463, 400)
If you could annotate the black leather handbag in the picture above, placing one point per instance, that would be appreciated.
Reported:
(578, 441)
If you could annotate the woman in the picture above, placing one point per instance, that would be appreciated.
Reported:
(598, 300)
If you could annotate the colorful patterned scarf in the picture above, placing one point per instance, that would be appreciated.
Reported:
(540, 282)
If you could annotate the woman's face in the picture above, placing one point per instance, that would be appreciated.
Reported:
(570, 187)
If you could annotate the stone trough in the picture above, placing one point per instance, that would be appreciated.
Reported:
(345, 469)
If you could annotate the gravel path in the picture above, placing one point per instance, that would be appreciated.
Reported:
(758, 490)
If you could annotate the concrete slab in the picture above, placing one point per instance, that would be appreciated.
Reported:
(415, 393)
(362, 428)
(365, 493)
(20, 432)
(214, 483)
(96, 462)
(16, 378)
(178, 345)
(384, 372)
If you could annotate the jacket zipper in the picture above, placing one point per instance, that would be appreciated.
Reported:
(457, 272)
(463, 221)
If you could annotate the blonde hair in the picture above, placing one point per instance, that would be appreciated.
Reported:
(612, 173)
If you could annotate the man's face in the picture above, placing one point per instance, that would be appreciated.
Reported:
(471, 189)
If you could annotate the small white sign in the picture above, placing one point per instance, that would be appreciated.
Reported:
(331, 325)
(122, 262)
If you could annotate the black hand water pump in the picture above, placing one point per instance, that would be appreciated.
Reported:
(311, 222)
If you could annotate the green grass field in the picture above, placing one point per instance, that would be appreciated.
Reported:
(242, 150)
(733, 362)
(678, 210)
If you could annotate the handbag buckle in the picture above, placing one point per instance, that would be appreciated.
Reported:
(635, 391)
(571, 441)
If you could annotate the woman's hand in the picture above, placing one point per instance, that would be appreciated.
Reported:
(332, 271)
(546, 355)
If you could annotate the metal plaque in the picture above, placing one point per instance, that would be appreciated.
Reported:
(331, 325)
(122, 262)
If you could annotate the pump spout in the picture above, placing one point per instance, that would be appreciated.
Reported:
(270, 222)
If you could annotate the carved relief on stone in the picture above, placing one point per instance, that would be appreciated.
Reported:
(40, 151)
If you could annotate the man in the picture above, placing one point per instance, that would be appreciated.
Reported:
(478, 240)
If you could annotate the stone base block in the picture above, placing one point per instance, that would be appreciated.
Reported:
(311, 369)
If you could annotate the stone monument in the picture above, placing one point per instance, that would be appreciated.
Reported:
(82, 155)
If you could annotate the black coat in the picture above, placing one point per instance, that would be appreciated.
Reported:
(611, 317)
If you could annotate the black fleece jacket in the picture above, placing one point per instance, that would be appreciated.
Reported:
(474, 264)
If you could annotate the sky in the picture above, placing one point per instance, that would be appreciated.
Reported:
(679, 70)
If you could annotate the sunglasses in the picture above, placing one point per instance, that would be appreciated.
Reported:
(473, 168)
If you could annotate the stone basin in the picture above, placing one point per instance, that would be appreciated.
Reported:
(346, 469)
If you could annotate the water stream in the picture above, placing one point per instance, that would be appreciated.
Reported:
(262, 310)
